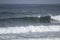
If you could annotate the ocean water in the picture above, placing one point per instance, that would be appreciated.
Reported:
(21, 22)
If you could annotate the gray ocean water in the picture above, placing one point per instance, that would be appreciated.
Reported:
(13, 25)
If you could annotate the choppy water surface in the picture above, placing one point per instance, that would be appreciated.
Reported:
(21, 22)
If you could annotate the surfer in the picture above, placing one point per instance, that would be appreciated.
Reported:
(45, 19)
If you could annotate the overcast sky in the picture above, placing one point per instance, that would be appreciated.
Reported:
(29, 1)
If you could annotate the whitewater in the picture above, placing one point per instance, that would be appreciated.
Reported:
(21, 22)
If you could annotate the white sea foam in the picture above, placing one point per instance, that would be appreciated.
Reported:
(39, 39)
(57, 17)
(30, 28)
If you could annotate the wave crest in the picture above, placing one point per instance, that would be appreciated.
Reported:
(42, 19)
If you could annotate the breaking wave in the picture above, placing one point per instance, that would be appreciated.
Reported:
(57, 17)
(30, 28)
(43, 19)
